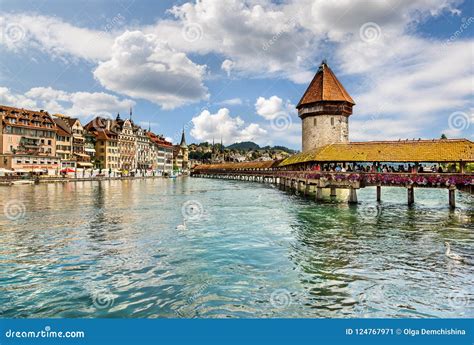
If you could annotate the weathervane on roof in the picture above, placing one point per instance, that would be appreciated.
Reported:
(323, 63)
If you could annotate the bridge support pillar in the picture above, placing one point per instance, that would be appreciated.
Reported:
(319, 193)
(333, 191)
(379, 193)
(452, 197)
(352, 195)
(411, 195)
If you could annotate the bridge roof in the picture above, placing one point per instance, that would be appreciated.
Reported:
(436, 150)
(240, 165)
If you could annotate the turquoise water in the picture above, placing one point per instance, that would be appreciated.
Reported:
(111, 249)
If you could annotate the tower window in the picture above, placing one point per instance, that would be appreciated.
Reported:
(315, 121)
(332, 121)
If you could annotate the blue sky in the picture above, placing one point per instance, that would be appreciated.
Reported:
(235, 69)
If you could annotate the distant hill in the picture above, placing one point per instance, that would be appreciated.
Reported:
(250, 145)
(279, 148)
(244, 145)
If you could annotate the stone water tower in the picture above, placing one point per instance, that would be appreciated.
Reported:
(324, 110)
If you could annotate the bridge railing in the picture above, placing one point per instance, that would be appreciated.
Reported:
(425, 179)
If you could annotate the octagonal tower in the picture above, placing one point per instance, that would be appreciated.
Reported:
(324, 110)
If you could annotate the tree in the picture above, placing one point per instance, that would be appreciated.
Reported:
(443, 136)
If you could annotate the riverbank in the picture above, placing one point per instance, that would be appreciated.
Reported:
(9, 182)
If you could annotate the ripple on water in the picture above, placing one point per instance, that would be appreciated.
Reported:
(111, 249)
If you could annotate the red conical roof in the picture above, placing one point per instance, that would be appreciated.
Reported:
(324, 87)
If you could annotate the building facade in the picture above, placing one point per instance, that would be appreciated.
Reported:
(107, 155)
(64, 142)
(127, 142)
(163, 153)
(28, 140)
(143, 151)
(82, 158)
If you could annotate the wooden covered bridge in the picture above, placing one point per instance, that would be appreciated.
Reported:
(443, 163)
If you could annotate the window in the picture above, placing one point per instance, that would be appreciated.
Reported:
(332, 121)
(315, 121)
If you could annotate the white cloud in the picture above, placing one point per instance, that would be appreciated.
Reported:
(54, 36)
(272, 107)
(232, 101)
(267, 39)
(409, 80)
(255, 38)
(207, 126)
(146, 67)
(81, 104)
(227, 66)
(400, 76)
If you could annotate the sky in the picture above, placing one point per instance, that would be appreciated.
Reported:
(233, 70)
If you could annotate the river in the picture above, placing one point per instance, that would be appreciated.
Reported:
(112, 249)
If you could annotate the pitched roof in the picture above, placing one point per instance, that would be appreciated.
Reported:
(240, 165)
(436, 150)
(19, 117)
(71, 121)
(63, 127)
(324, 87)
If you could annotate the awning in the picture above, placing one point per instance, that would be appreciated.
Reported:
(89, 150)
(84, 164)
(81, 154)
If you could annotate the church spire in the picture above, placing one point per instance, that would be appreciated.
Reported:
(183, 139)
